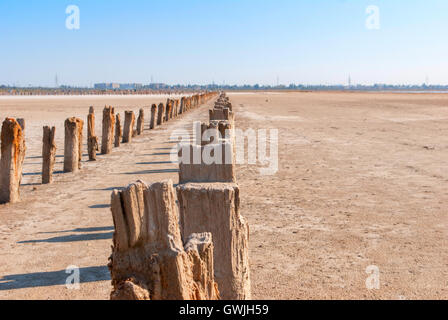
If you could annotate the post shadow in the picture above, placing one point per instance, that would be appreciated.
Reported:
(53, 278)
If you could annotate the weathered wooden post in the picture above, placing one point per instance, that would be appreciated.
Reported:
(11, 163)
(140, 121)
(48, 154)
(128, 129)
(182, 105)
(118, 131)
(152, 123)
(172, 105)
(160, 114)
(219, 167)
(177, 107)
(168, 107)
(149, 260)
(215, 207)
(92, 139)
(73, 144)
(108, 130)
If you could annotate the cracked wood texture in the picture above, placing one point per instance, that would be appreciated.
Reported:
(48, 154)
(149, 259)
(108, 130)
(73, 144)
(12, 156)
(214, 207)
(92, 139)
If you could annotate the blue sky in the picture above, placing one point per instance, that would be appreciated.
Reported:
(231, 41)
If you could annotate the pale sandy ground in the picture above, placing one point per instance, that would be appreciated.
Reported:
(362, 181)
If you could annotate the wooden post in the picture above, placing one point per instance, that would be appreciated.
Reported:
(182, 105)
(48, 154)
(118, 131)
(167, 110)
(128, 129)
(160, 114)
(220, 167)
(108, 130)
(215, 207)
(141, 122)
(176, 108)
(152, 123)
(11, 163)
(92, 139)
(73, 144)
(149, 260)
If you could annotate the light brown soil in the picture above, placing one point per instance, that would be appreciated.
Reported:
(362, 181)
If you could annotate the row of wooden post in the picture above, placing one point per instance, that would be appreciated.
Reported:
(183, 243)
(13, 140)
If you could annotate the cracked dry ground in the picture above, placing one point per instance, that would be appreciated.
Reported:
(362, 181)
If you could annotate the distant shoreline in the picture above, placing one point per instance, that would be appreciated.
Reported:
(174, 94)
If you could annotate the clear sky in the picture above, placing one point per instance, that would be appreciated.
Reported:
(231, 41)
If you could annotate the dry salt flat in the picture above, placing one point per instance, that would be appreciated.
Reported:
(362, 182)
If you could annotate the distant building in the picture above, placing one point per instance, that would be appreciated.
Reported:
(158, 86)
(115, 86)
(106, 86)
(130, 86)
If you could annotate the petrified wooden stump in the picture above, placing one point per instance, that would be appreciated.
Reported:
(108, 130)
(168, 108)
(176, 107)
(140, 122)
(92, 139)
(221, 114)
(171, 112)
(11, 163)
(160, 114)
(213, 162)
(128, 129)
(210, 133)
(48, 154)
(214, 207)
(182, 105)
(149, 259)
(118, 131)
(152, 123)
(73, 144)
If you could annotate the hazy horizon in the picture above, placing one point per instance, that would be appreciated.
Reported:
(233, 42)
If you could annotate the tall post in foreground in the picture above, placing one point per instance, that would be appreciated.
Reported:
(149, 260)
(92, 139)
(215, 207)
(152, 123)
(128, 129)
(118, 131)
(108, 130)
(73, 144)
(48, 154)
(140, 122)
(11, 163)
